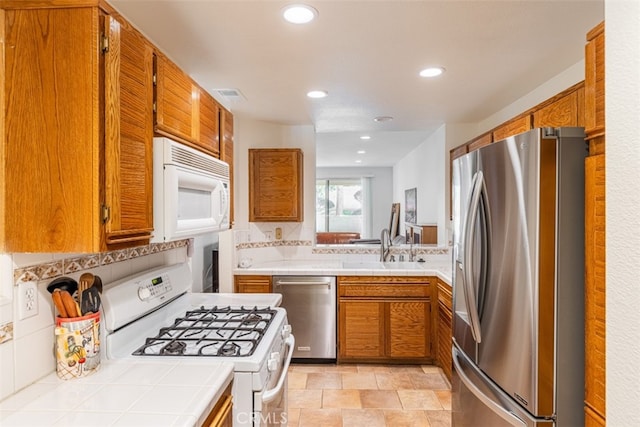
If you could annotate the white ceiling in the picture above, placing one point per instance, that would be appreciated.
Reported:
(367, 55)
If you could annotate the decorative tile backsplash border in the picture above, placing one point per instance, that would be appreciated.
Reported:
(74, 264)
(273, 243)
(375, 250)
(344, 249)
(6, 332)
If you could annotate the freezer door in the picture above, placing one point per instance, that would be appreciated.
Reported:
(477, 402)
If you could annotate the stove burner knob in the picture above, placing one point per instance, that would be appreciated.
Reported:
(144, 293)
(274, 361)
(286, 331)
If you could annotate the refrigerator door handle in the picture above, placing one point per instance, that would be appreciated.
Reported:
(468, 287)
(504, 413)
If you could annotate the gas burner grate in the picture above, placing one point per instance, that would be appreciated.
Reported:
(214, 332)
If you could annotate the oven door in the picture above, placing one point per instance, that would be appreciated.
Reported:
(270, 405)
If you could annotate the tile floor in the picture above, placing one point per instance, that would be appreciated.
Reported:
(368, 396)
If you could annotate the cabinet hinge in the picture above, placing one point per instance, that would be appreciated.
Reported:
(106, 213)
(155, 107)
(155, 79)
(104, 43)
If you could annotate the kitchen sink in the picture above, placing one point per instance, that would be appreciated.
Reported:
(404, 265)
(372, 265)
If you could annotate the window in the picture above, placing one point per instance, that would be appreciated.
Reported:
(342, 205)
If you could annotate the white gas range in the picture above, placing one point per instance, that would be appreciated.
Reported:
(155, 314)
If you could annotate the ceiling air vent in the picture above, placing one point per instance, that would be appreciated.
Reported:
(230, 94)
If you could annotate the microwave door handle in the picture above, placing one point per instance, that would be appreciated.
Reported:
(470, 294)
(271, 394)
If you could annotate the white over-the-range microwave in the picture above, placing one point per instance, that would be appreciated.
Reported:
(190, 192)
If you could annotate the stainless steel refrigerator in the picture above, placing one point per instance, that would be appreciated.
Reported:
(518, 281)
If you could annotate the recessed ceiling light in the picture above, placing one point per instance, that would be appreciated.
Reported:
(365, 137)
(361, 151)
(317, 94)
(299, 13)
(382, 119)
(431, 72)
(358, 161)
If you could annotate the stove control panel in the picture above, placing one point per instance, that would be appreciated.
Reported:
(154, 287)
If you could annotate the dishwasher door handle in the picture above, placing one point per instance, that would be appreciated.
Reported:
(288, 283)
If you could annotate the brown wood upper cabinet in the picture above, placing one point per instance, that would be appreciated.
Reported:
(184, 111)
(275, 185)
(76, 175)
(566, 110)
(512, 127)
(226, 151)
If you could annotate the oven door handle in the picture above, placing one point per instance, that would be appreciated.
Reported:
(271, 394)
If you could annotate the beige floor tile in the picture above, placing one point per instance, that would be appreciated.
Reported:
(293, 417)
(297, 380)
(341, 399)
(444, 396)
(439, 418)
(324, 380)
(303, 367)
(407, 369)
(342, 368)
(305, 399)
(394, 381)
(374, 368)
(419, 399)
(435, 381)
(320, 417)
(380, 399)
(403, 418)
(363, 418)
(364, 380)
(430, 369)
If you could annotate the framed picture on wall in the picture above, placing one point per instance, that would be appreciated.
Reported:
(410, 204)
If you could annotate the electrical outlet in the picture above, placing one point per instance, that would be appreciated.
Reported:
(27, 300)
(278, 233)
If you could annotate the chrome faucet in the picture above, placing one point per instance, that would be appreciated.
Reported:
(412, 254)
(385, 240)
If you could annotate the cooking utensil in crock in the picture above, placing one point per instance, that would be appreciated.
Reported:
(64, 284)
(90, 301)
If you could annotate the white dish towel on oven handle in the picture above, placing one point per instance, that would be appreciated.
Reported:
(269, 395)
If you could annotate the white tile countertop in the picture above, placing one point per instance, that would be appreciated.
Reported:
(440, 268)
(122, 393)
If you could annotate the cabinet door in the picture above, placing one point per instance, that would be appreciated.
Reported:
(594, 84)
(480, 142)
(512, 127)
(129, 135)
(226, 151)
(275, 185)
(409, 329)
(445, 318)
(595, 285)
(361, 329)
(51, 131)
(566, 111)
(176, 101)
(252, 284)
(209, 127)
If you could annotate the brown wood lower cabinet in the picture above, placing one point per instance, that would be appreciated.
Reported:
(384, 319)
(252, 284)
(445, 318)
(222, 413)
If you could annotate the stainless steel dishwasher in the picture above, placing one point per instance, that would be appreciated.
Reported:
(310, 302)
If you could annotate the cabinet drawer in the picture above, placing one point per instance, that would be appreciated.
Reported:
(389, 287)
(444, 295)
